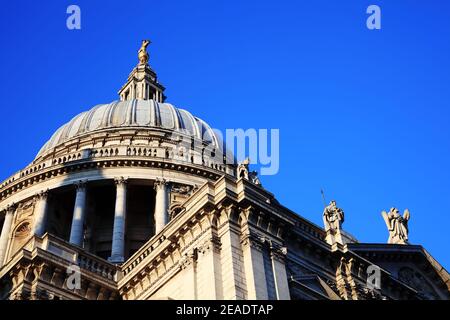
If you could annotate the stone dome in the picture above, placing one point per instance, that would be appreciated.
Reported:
(140, 114)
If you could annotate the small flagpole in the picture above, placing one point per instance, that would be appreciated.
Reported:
(323, 198)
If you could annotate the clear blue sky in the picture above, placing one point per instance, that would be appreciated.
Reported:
(363, 114)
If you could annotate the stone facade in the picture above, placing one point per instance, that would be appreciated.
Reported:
(113, 199)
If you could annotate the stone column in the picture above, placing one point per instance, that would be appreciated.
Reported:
(255, 274)
(118, 241)
(161, 204)
(79, 213)
(231, 256)
(4, 237)
(40, 215)
(209, 273)
(278, 257)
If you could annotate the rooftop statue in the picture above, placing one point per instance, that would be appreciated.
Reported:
(333, 217)
(397, 225)
(244, 172)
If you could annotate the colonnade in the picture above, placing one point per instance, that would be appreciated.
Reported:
(79, 215)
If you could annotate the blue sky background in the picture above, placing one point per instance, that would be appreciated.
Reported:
(363, 114)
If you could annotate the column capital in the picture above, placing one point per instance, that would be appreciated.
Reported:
(212, 243)
(278, 252)
(81, 184)
(120, 181)
(43, 194)
(160, 183)
(10, 208)
(254, 241)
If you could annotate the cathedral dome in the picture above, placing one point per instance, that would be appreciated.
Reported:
(135, 160)
(133, 114)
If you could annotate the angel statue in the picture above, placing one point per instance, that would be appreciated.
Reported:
(397, 225)
(333, 217)
(142, 53)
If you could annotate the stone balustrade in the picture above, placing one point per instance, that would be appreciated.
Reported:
(74, 255)
(46, 169)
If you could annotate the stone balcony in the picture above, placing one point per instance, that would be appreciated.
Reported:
(41, 270)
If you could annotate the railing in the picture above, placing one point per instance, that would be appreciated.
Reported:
(92, 264)
(141, 254)
(121, 151)
(76, 256)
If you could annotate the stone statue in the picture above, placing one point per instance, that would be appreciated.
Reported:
(243, 172)
(142, 53)
(253, 175)
(397, 225)
(333, 217)
(243, 169)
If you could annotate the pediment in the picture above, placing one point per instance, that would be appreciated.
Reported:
(410, 264)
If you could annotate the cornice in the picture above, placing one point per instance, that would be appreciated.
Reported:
(112, 162)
